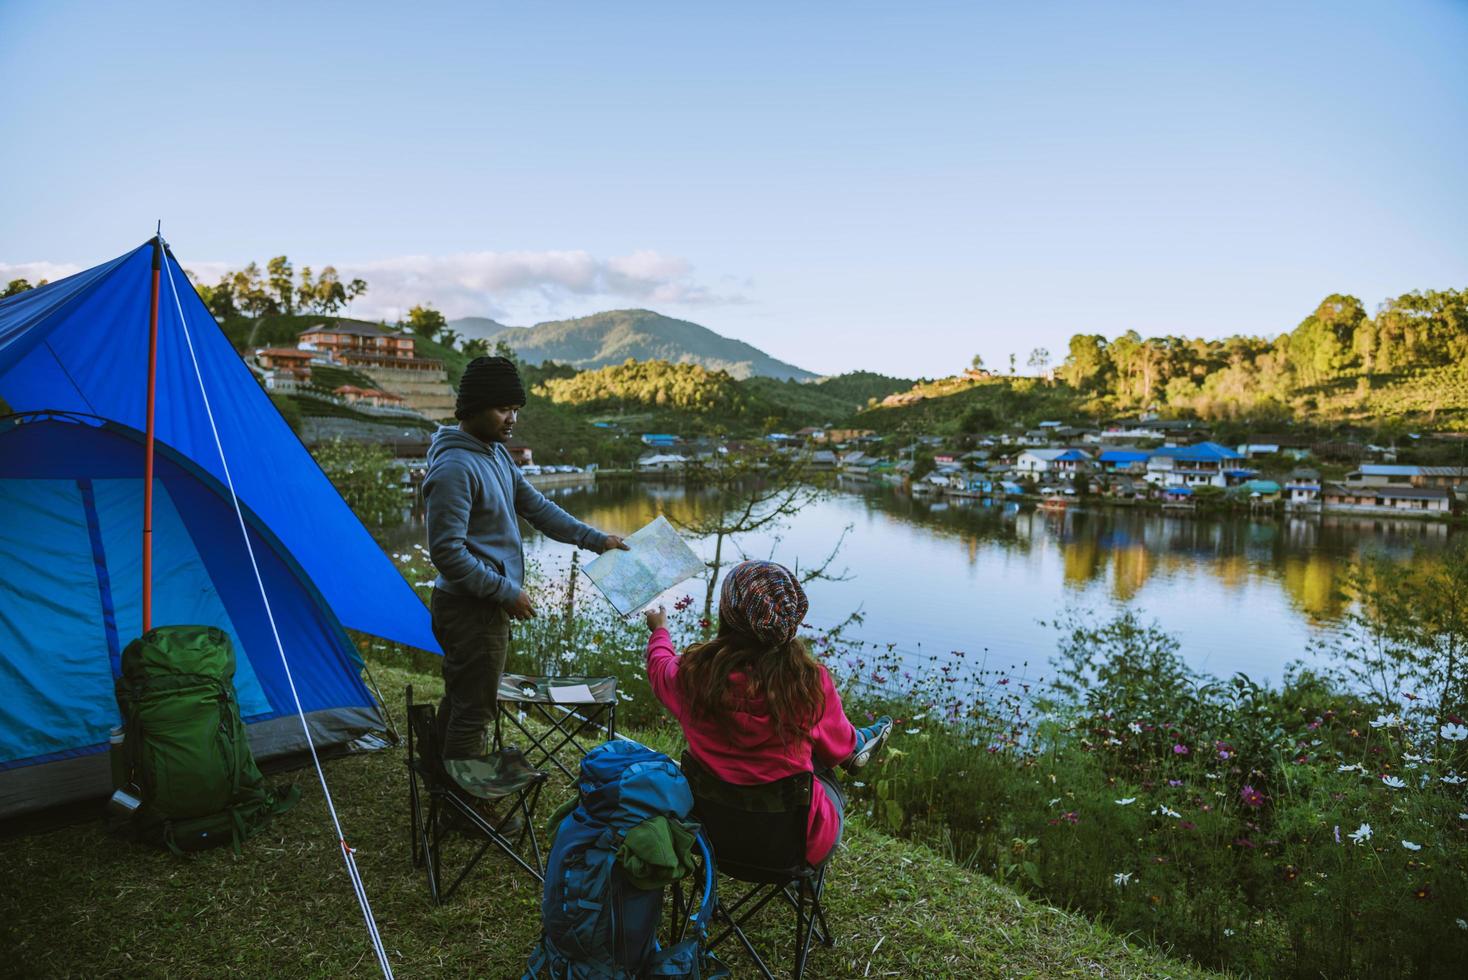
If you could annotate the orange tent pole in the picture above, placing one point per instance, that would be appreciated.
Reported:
(148, 442)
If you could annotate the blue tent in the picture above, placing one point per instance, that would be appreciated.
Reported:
(73, 362)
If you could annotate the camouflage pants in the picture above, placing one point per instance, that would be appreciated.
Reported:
(475, 636)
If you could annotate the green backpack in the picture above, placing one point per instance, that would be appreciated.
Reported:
(184, 752)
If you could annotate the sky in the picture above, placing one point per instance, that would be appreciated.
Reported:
(892, 187)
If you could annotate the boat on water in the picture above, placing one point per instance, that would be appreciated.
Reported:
(1053, 498)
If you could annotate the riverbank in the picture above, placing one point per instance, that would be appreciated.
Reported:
(81, 904)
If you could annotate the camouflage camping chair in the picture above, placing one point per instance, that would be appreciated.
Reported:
(490, 801)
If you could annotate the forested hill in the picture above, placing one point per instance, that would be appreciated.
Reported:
(1403, 367)
(693, 397)
(1407, 359)
(611, 338)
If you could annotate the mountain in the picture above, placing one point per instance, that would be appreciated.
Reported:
(610, 338)
(478, 326)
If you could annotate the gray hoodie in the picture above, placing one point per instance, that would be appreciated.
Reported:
(472, 493)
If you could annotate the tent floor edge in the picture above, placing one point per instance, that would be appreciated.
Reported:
(65, 792)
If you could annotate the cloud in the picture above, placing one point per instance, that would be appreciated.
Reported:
(34, 272)
(518, 284)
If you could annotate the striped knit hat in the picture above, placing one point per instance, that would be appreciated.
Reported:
(763, 599)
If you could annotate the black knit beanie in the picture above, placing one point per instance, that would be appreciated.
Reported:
(488, 382)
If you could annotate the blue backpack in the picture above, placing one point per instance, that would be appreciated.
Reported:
(598, 925)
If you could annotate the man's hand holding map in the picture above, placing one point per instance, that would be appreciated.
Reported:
(658, 560)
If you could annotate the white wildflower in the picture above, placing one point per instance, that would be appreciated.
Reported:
(1227, 933)
(1462, 924)
(1127, 801)
(1411, 846)
(1353, 767)
(1121, 879)
(1134, 728)
(1386, 721)
(914, 731)
(1053, 802)
(1166, 811)
(1361, 834)
(1454, 733)
(1392, 782)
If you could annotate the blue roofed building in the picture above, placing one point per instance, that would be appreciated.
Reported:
(660, 439)
(1123, 460)
(1203, 464)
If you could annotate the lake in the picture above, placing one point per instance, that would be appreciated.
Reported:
(1241, 593)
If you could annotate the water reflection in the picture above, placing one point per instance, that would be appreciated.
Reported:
(1243, 593)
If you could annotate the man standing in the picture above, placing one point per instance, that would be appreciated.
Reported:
(474, 494)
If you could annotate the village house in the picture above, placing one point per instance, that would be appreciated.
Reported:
(660, 440)
(1253, 450)
(661, 463)
(519, 452)
(848, 435)
(1124, 460)
(373, 397)
(1204, 464)
(1383, 475)
(1441, 476)
(1302, 489)
(1363, 498)
(857, 463)
(366, 345)
(286, 361)
(1053, 462)
(812, 433)
(820, 459)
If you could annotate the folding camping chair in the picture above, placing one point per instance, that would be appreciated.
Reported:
(516, 788)
(573, 707)
(758, 834)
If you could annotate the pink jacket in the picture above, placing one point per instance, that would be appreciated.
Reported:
(756, 754)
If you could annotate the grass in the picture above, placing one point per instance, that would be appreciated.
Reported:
(80, 903)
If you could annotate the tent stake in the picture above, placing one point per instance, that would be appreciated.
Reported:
(148, 442)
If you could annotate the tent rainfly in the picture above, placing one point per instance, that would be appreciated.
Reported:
(73, 369)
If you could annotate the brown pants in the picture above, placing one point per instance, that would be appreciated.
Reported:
(475, 636)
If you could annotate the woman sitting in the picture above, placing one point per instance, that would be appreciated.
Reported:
(754, 705)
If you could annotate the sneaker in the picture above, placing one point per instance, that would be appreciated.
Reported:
(869, 742)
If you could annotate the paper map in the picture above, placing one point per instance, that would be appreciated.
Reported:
(659, 560)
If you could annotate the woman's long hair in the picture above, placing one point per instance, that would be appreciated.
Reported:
(787, 678)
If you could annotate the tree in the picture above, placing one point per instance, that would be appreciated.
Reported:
(425, 321)
(219, 298)
(17, 286)
(250, 292)
(1039, 359)
(475, 347)
(755, 493)
(367, 476)
(1086, 366)
(978, 362)
(1011, 363)
(329, 294)
(279, 272)
(1410, 631)
(356, 288)
(448, 336)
